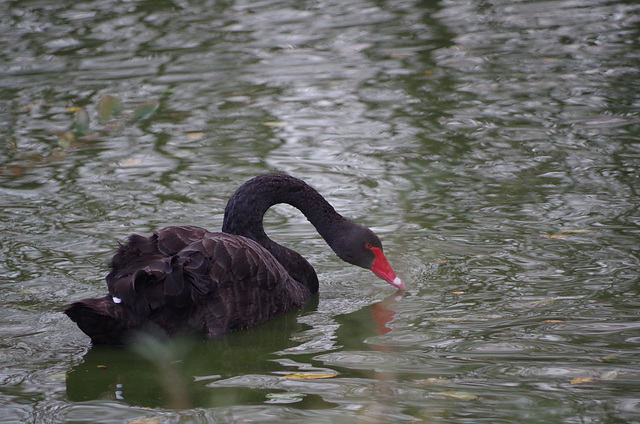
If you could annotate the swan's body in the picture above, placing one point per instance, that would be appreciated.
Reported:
(186, 278)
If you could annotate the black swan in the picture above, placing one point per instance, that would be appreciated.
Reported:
(187, 279)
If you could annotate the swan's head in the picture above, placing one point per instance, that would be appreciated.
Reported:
(360, 246)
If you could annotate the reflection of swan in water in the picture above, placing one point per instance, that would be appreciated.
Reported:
(137, 376)
(195, 367)
(370, 363)
(372, 320)
(381, 313)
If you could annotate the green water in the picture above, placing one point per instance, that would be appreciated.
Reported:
(493, 145)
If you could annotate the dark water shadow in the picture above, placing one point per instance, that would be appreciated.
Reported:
(177, 373)
(242, 368)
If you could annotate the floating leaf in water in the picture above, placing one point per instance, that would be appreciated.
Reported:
(130, 162)
(195, 135)
(582, 380)
(147, 420)
(108, 107)
(308, 376)
(72, 108)
(65, 138)
(457, 395)
(575, 231)
(274, 124)
(610, 358)
(555, 236)
(81, 121)
(145, 110)
(101, 367)
(552, 320)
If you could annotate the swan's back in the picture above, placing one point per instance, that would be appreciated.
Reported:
(187, 279)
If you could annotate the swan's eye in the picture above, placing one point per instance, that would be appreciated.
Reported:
(368, 246)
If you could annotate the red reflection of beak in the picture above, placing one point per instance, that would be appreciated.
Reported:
(382, 269)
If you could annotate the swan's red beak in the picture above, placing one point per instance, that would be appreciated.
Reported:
(382, 269)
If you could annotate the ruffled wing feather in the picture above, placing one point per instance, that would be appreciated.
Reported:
(222, 282)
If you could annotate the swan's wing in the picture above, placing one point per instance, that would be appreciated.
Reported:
(219, 282)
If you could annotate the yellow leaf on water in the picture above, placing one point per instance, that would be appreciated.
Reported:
(458, 292)
(72, 109)
(555, 236)
(195, 135)
(575, 231)
(552, 320)
(308, 376)
(274, 123)
(581, 380)
(147, 420)
(130, 162)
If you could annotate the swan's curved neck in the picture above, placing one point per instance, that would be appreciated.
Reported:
(246, 208)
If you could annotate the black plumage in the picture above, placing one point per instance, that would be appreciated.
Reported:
(187, 279)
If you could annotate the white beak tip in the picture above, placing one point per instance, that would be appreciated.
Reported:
(397, 282)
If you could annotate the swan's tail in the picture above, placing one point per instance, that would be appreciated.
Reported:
(105, 321)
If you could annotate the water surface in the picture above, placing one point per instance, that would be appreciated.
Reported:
(493, 146)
